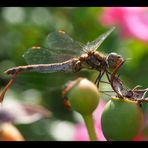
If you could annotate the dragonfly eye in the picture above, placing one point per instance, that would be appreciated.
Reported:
(113, 59)
(114, 55)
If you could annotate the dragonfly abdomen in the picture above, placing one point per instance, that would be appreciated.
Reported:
(67, 66)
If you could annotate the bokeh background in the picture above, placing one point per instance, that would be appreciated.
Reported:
(24, 27)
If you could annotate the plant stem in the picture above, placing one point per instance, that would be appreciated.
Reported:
(88, 119)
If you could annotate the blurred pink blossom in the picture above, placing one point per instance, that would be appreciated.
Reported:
(143, 135)
(132, 21)
(81, 131)
(139, 138)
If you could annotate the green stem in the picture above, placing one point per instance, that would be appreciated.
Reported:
(88, 119)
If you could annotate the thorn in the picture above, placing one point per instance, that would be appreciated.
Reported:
(67, 105)
(7, 87)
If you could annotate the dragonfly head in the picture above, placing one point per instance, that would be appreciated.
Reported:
(113, 59)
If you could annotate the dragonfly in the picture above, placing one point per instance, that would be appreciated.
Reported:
(135, 94)
(65, 54)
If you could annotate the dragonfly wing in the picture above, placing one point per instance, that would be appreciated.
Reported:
(61, 47)
(60, 42)
(117, 85)
(38, 55)
(139, 94)
(93, 45)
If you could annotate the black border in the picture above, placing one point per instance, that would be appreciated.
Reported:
(74, 3)
(64, 144)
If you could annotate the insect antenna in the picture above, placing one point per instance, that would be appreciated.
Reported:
(128, 59)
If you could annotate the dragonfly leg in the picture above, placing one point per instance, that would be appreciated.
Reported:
(98, 79)
(105, 93)
(101, 81)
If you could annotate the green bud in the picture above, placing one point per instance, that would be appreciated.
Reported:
(121, 119)
(83, 96)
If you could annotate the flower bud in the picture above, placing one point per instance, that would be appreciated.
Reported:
(121, 119)
(83, 96)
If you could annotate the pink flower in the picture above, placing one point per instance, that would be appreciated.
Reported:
(139, 138)
(132, 21)
(81, 131)
(143, 135)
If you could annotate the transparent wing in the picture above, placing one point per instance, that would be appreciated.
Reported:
(60, 42)
(97, 42)
(36, 55)
(60, 47)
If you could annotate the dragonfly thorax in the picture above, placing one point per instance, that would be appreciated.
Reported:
(92, 60)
